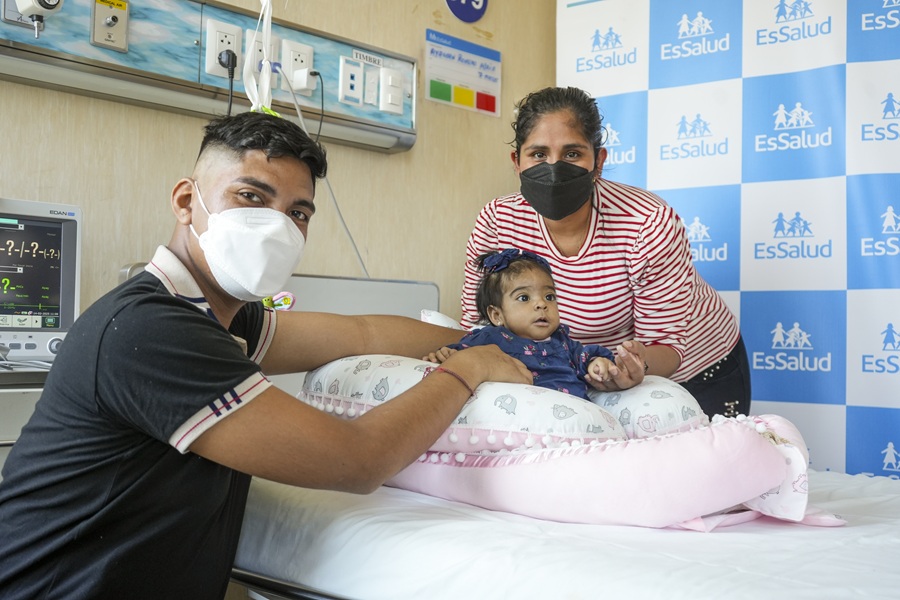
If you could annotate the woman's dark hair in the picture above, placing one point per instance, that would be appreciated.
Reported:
(555, 99)
(275, 136)
(490, 288)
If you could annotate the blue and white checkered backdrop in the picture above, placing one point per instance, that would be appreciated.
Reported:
(773, 128)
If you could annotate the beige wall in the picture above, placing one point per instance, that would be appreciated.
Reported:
(410, 213)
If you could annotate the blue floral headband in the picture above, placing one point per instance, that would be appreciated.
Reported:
(499, 261)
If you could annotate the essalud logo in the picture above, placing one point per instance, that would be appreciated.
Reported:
(890, 460)
(889, 20)
(695, 39)
(702, 249)
(793, 235)
(888, 359)
(794, 21)
(889, 128)
(793, 129)
(889, 245)
(695, 145)
(791, 351)
(615, 154)
(607, 51)
(888, 362)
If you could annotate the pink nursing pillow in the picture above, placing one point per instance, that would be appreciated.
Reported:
(650, 482)
(545, 454)
(787, 500)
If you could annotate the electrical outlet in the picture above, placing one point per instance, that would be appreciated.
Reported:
(219, 37)
(296, 57)
(350, 90)
(256, 53)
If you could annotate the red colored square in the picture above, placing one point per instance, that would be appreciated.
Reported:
(486, 102)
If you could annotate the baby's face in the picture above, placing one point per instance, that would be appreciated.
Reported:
(529, 306)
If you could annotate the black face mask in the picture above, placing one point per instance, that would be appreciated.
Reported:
(556, 190)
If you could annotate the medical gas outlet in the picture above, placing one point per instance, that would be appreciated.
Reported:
(36, 10)
(109, 24)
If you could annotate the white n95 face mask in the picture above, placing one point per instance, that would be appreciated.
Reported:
(251, 252)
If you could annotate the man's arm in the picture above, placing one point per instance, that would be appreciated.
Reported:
(307, 340)
(277, 437)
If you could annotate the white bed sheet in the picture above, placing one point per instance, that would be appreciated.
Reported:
(395, 544)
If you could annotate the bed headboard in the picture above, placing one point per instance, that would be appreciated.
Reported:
(354, 296)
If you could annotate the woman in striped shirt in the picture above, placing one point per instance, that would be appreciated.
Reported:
(620, 255)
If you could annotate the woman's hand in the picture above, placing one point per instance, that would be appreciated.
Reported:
(634, 348)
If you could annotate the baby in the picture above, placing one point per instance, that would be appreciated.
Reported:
(516, 301)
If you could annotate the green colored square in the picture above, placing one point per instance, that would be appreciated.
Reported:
(440, 90)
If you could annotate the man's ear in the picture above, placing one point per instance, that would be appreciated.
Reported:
(182, 195)
(495, 315)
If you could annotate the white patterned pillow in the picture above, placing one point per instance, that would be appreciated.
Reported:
(653, 407)
(437, 318)
(501, 416)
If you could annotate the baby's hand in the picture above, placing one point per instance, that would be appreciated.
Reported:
(626, 372)
(440, 355)
(600, 373)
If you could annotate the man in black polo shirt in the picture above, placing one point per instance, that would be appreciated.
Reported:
(131, 477)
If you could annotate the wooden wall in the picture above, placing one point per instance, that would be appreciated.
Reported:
(409, 213)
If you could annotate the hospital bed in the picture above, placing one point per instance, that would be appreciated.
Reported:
(396, 544)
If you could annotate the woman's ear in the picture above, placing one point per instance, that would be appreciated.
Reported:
(598, 162)
(495, 315)
(514, 156)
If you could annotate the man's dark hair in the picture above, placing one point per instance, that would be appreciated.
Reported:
(275, 136)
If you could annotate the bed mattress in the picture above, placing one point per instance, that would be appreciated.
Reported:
(395, 544)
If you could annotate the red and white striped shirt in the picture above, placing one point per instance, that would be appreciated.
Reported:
(633, 277)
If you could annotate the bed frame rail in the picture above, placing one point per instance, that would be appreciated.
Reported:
(276, 589)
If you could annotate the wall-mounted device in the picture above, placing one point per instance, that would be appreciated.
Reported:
(165, 55)
(36, 10)
(109, 24)
(40, 276)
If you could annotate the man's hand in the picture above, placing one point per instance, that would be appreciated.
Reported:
(487, 363)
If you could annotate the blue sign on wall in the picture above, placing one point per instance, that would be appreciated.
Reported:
(468, 11)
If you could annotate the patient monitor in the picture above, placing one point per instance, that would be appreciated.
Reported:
(40, 277)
